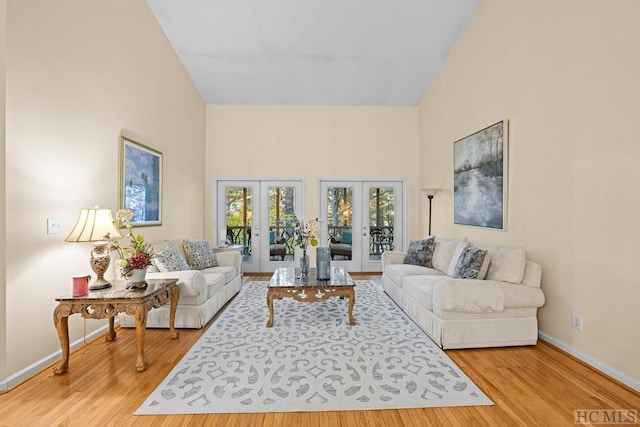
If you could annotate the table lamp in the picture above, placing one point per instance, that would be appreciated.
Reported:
(96, 226)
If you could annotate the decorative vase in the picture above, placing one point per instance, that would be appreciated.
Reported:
(137, 278)
(323, 263)
(304, 267)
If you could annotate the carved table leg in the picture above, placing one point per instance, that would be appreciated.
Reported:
(111, 335)
(270, 305)
(352, 302)
(175, 295)
(141, 328)
(61, 321)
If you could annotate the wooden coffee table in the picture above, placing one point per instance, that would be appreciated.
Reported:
(285, 284)
(106, 303)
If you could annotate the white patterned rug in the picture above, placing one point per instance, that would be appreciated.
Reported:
(312, 360)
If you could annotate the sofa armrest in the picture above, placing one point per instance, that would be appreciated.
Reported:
(392, 257)
(229, 259)
(191, 282)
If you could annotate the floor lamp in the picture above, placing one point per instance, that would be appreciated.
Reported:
(430, 192)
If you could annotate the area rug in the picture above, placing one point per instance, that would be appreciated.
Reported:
(312, 360)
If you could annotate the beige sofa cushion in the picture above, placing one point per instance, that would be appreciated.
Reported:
(468, 295)
(420, 288)
(507, 264)
(397, 272)
(215, 282)
(443, 253)
(228, 272)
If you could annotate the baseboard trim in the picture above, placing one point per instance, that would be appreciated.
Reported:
(593, 362)
(31, 370)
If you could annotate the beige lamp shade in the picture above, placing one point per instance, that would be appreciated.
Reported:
(430, 192)
(92, 226)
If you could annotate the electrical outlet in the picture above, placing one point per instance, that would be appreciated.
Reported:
(576, 321)
(54, 226)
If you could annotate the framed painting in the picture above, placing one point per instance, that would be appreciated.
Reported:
(140, 182)
(480, 178)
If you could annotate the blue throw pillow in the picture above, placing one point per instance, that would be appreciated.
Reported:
(346, 237)
(272, 237)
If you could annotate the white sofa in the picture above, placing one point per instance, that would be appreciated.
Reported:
(500, 310)
(203, 292)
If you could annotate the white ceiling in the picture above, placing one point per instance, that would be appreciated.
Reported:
(313, 52)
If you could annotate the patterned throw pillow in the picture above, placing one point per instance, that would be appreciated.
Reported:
(470, 263)
(169, 259)
(199, 254)
(420, 252)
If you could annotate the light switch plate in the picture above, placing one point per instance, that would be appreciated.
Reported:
(53, 226)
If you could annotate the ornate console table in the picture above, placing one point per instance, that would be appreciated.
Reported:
(106, 303)
(285, 284)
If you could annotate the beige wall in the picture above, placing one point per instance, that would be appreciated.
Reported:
(311, 143)
(3, 238)
(565, 75)
(80, 73)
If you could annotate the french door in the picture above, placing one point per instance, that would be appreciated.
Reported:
(253, 217)
(360, 220)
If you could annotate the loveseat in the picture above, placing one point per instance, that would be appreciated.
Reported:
(207, 280)
(496, 307)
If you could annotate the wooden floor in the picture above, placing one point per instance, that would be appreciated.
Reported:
(530, 386)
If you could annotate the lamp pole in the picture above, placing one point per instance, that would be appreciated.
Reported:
(430, 197)
(430, 192)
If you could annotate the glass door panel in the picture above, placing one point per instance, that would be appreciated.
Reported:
(381, 221)
(282, 201)
(281, 209)
(238, 213)
(237, 204)
(340, 222)
(384, 219)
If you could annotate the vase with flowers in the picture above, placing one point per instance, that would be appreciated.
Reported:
(135, 258)
(305, 234)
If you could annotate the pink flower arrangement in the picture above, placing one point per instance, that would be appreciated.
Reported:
(139, 253)
(139, 260)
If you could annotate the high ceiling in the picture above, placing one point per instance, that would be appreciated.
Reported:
(313, 52)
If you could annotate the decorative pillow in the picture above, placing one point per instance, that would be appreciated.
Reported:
(169, 259)
(346, 238)
(199, 254)
(420, 252)
(507, 264)
(471, 263)
(444, 251)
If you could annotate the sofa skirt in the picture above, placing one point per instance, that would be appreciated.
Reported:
(187, 316)
(513, 327)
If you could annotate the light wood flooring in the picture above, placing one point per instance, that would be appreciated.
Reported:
(530, 386)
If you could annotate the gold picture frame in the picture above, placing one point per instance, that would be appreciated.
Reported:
(140, 187)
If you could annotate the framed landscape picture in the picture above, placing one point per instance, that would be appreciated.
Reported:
(480, 178)
(141, 182)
